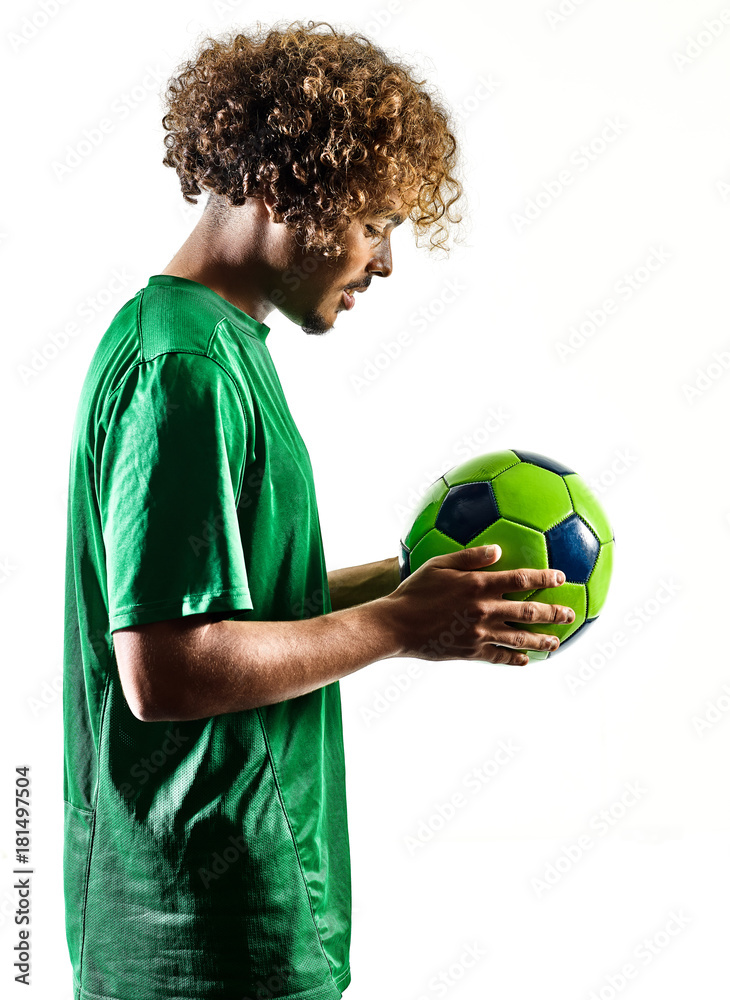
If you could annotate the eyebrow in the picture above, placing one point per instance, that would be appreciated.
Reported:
(396, 218)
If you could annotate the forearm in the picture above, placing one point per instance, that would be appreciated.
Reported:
(355, 585)
(231, 666)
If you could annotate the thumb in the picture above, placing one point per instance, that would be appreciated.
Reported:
(469, 558)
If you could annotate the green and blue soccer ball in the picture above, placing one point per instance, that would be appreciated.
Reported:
(541, 514)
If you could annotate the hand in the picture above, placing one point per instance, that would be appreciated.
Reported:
(448, 609)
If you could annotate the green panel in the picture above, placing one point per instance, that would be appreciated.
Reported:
(519, 595)
(531, 495)
(521, 546)
(425, 514)
(433, 543)
(481, 468)
(570, 595)
(585, 503)
(599, 580)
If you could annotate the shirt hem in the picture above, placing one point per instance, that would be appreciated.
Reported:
(215, 600)
(329, 990)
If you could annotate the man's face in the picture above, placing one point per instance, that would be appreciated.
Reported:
(313, 290)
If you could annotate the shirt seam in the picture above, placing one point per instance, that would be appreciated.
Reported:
(92, 832)
(175, 600)
(247, 429)
(222, 309)
(82, 809)
(294, 840)
(342, 975)
(241, 329)
(173, 350)
(200, 354)
(301, 995)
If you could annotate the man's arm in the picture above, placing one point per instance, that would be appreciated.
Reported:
(358, 584)
(196, 666)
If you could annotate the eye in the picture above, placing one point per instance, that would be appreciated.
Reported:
(374, 231)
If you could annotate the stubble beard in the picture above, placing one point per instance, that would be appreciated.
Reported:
(314, 323)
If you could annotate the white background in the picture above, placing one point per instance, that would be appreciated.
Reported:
(528, 89)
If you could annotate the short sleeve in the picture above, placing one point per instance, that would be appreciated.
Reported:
(171, 462)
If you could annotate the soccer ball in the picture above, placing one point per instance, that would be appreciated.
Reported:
(541, 513)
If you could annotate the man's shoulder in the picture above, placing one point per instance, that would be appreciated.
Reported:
(173, 332)
(171, 318)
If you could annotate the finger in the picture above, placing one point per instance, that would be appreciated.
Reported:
(527, 640)
(469, 558)
(501, 654)
(510, 580)
(534, 612)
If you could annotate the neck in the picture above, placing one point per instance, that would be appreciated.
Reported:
(225, 257)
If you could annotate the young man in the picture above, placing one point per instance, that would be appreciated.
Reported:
(206, 848)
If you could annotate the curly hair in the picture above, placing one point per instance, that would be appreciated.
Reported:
(325, 123)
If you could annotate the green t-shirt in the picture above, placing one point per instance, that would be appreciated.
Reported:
(207, 858)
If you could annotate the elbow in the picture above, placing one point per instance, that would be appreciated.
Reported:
(145, 711)
(135, 705)
(138, 712)
(148, 701)
(145, 707)
(157, 668)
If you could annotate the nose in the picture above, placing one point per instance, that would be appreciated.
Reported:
(381, 262)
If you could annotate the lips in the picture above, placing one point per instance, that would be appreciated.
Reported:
(349, 300)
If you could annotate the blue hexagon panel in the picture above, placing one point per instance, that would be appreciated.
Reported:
(404, 562)
(572, 547)
(543, 462)
(466, 511)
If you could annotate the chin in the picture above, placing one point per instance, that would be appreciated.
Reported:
(314, 322)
